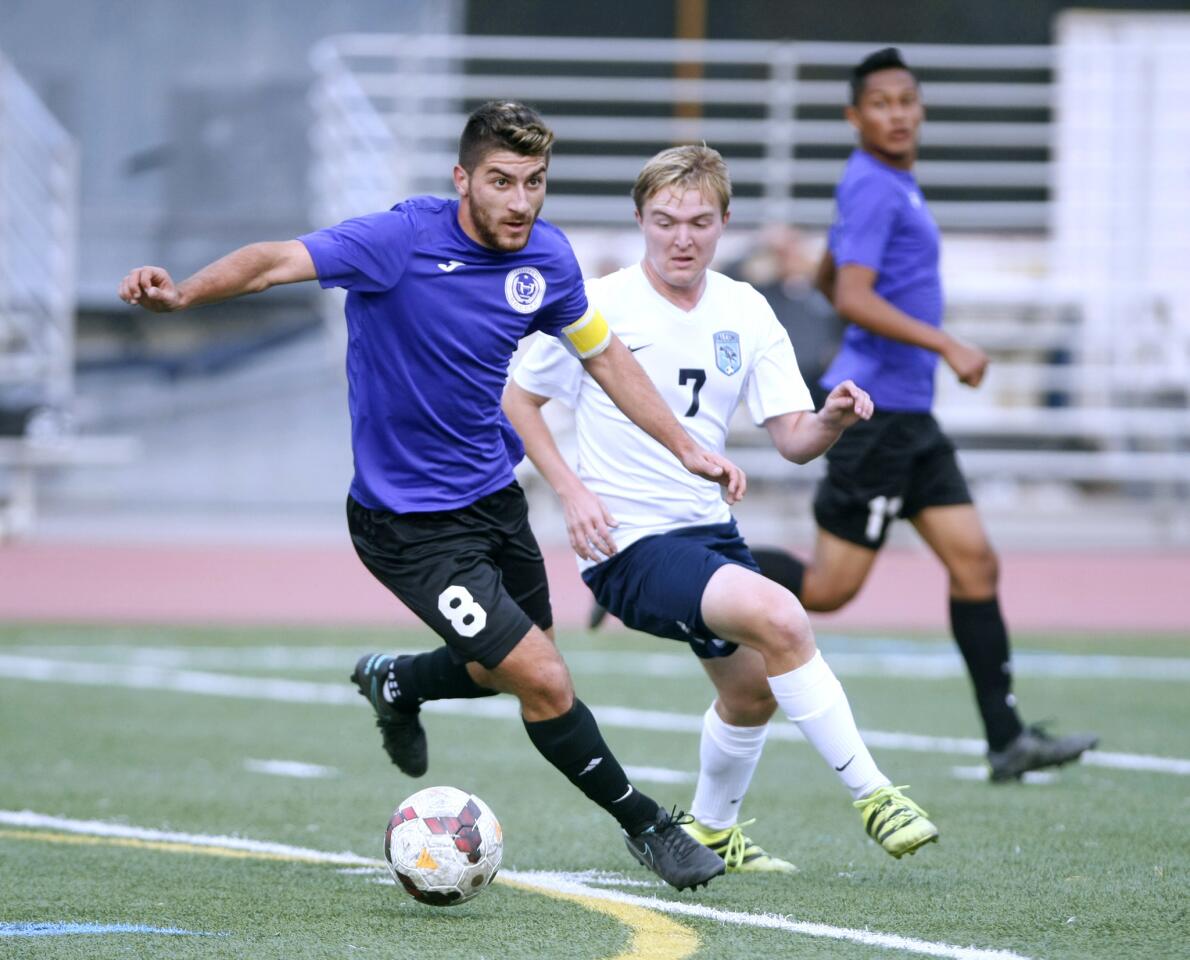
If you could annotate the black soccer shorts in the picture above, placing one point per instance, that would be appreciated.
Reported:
(894, 465)
(474, 575)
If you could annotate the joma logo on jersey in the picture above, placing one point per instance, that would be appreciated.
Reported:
(727, 351)
(524, 289)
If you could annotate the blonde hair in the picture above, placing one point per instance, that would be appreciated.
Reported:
(692, 165)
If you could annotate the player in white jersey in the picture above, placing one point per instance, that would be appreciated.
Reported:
(701, 362)
(676, 565)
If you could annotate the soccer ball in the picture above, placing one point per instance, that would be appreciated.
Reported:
(443, 845)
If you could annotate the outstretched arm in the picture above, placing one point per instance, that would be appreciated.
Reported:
(801, 437)
(588, 522)
(630, 388)
(857, 301)
(249, 269)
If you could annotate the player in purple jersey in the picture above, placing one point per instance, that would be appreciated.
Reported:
(881, 273)
(439, 294)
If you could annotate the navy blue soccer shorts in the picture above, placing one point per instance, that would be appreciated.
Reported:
(656, 584)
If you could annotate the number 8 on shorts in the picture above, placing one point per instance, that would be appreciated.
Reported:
(456, 604)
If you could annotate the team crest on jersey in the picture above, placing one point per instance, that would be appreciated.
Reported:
(727, 351)
(524, 289)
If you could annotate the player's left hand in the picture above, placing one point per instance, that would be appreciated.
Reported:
(845, 405)
(713, 466)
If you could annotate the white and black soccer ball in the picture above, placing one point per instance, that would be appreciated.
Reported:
(443, 845)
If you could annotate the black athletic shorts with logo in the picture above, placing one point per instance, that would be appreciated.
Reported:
(474, 575)
(894, 465)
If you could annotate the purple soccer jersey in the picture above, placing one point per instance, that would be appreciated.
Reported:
(433, 319)
(882, 222)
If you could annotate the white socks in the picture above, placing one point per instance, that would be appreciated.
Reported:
(812, 697)
(727, 759)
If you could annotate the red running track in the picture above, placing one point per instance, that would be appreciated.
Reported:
(1118, 592)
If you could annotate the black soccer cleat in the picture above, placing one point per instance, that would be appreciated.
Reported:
(402, 732)
(671, 853)
(1034, 749)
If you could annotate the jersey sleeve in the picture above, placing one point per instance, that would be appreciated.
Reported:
(548, 369)
(775, 385)
(578, 325)
(867, 211)
(367, 254)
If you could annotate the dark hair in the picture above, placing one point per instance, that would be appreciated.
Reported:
(887, 59)
(503, 125)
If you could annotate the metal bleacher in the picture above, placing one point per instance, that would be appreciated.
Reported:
(38, 226)
(1067, 399)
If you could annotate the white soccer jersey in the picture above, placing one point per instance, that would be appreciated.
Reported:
(702, 362)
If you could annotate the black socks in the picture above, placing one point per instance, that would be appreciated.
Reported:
(782, 567)
(982, 638)
(573, 744)
(432, 676)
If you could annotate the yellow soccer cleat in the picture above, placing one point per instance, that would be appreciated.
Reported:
(739, 853)
(895, 822)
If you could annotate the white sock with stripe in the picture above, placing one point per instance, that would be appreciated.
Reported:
(813, 698)
(727, 758)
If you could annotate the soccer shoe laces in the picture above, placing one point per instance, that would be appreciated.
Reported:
(673, 818)
(736, 845)
(887, 810)
(667, 827)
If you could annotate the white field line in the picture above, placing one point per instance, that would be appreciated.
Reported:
(304, 691)
(558, 882)
(885, 659)
(564, 883)
(659, 774)
(290, 768)
(100, 828)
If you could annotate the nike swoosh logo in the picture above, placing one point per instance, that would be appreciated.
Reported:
(448, 267)
(632, 349)
(845, 766)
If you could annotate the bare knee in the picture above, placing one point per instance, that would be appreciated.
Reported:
(535, 673)
(780, 630)
(546, 690)
(750, 707)
(975, 574)
(826, 594)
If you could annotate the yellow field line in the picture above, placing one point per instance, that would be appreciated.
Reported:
(654, 936)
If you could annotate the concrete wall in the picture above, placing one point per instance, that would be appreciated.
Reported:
(191, 117)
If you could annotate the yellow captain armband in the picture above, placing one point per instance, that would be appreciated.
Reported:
(588, 336)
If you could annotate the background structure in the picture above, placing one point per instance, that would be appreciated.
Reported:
(1051, 156)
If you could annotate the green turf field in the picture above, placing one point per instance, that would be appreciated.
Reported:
(106, 733)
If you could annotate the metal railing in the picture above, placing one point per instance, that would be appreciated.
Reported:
(769, 107)
(38, 237)
(1057, 404)
(38, 230)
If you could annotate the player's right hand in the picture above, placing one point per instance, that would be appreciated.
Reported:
(968, 363)
(713, 466)
(151, 288)
(588, 524)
